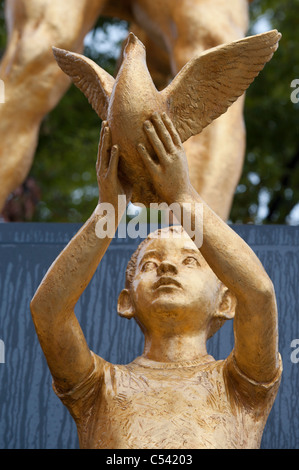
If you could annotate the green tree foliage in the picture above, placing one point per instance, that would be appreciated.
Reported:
(269, 187)
(64, 166)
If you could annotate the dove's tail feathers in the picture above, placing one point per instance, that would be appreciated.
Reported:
(90, 78)
(211, 82)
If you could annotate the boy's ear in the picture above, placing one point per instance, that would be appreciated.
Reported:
(124, 305)
(227, 305)
(225, 311)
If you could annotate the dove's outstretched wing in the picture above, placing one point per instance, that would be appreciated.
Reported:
(90, 78)
(209, 83)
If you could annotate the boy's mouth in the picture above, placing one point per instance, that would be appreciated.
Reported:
(166, 281)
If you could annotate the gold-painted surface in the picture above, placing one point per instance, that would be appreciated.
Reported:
(179, 290)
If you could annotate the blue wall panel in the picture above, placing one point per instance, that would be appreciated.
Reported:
(31, 416)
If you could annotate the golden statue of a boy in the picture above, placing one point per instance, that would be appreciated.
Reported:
(175, 395)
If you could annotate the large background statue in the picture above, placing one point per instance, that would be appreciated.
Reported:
(173, 33)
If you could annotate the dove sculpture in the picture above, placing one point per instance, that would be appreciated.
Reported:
(202, 91)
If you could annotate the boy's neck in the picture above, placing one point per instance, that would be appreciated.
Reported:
(175, 348)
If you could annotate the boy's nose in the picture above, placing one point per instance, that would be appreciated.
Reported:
(167, 267)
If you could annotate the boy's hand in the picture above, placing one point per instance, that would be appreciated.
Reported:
(170, 176)
(109, 184)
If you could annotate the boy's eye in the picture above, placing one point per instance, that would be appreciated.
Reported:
(191, 261)
(149, 265)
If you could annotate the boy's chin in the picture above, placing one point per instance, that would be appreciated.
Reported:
(168, 307)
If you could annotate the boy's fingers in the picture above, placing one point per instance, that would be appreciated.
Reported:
(99, 149)
(154, 139)
(146, 158)
(163, 132)
(104, 124)
(172, 130)
(114, 159)
(105, 150)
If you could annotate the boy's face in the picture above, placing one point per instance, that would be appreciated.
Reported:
(173, 287)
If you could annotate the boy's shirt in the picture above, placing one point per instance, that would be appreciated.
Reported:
(147, 404)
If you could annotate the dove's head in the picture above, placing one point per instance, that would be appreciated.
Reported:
(135, 46)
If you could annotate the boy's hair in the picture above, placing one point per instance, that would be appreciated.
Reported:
(172, 231)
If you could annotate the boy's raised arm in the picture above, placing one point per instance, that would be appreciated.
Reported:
(232, 260)
(52, 306)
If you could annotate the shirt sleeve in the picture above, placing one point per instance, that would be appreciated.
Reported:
(248, 393)
(80, 399)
